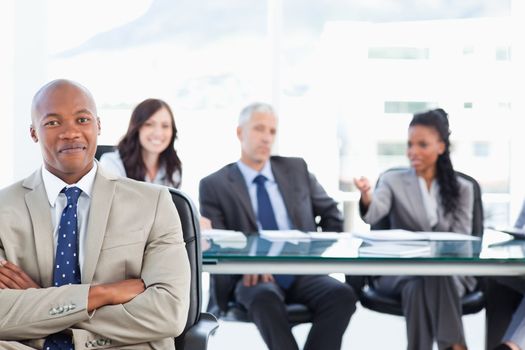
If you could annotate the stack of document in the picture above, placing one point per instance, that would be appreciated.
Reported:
(225, 238)
(330, 236)
(403, 235)
(388, 249)
(291, 236)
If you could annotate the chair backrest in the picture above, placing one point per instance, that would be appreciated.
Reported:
(384, 223)
(477, 213)
(101, 149)
(191, 232)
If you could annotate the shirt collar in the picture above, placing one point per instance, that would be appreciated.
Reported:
(160, 177)
(434, 186)
(54, 185)
(249, 174)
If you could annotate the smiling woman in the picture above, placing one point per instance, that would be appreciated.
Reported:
(146, 152)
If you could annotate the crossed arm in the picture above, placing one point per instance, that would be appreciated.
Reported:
(151, 307)
(13, 277)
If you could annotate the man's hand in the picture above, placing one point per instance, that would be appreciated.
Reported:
(252, 280)
(13, 277)
(114, 293)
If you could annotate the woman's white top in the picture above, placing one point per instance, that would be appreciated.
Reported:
(112, 163)
(430, 199)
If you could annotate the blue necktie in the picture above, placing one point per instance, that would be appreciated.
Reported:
(67, 269)
(266, 218)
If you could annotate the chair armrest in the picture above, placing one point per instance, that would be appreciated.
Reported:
(196, 337)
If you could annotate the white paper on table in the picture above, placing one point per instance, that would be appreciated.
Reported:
(391, 235)
(284, 235)
(224, 235)
(226, 238)
(448, 236)
(387, 249)
(329, 235)
(404, 235)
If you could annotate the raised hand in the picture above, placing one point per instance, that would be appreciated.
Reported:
(363, 185)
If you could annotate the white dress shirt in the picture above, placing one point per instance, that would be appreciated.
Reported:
(112, 163)
(430, 199)
(57, 202)
(279, 209)
(276, 199)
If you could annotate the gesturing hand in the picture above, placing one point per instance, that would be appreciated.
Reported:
(13, 277)
(363, 185)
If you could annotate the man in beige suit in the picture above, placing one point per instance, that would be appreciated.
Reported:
(133, 290)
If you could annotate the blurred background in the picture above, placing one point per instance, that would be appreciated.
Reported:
(344, 75)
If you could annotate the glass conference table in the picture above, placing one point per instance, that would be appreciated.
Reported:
(496, 254)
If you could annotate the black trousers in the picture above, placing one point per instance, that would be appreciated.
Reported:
(331, 302)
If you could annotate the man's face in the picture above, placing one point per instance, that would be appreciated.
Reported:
(257, 137)
(66, 125)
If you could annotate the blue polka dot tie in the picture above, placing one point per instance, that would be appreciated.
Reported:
(266, 218)
(67, 269)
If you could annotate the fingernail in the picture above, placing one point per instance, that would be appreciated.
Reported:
(3, 262)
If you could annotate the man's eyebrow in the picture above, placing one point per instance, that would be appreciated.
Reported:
(84, 111)
(48, 115)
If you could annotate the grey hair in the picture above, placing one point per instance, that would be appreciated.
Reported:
(248, 111)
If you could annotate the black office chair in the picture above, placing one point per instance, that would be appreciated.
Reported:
(200, 325)
(373, 299)
(101, 149)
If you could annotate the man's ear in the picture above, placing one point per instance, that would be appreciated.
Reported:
(239, 133)
(32, 132)
(98, 126)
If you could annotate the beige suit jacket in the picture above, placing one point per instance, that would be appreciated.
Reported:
(133, 231)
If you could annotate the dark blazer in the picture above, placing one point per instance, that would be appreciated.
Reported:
(224, 199)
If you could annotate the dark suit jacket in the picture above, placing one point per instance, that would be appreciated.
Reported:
(224, 199)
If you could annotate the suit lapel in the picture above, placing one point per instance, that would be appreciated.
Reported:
(239, 189)
(101, 200)
(287, 188)
(413, 194)
(40, 213)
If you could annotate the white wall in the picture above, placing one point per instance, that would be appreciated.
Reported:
(29, 74)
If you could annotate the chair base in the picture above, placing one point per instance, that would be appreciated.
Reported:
(196, 338)
(471, 303)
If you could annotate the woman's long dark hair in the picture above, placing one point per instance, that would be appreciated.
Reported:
(130, 148)
(445, 174)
